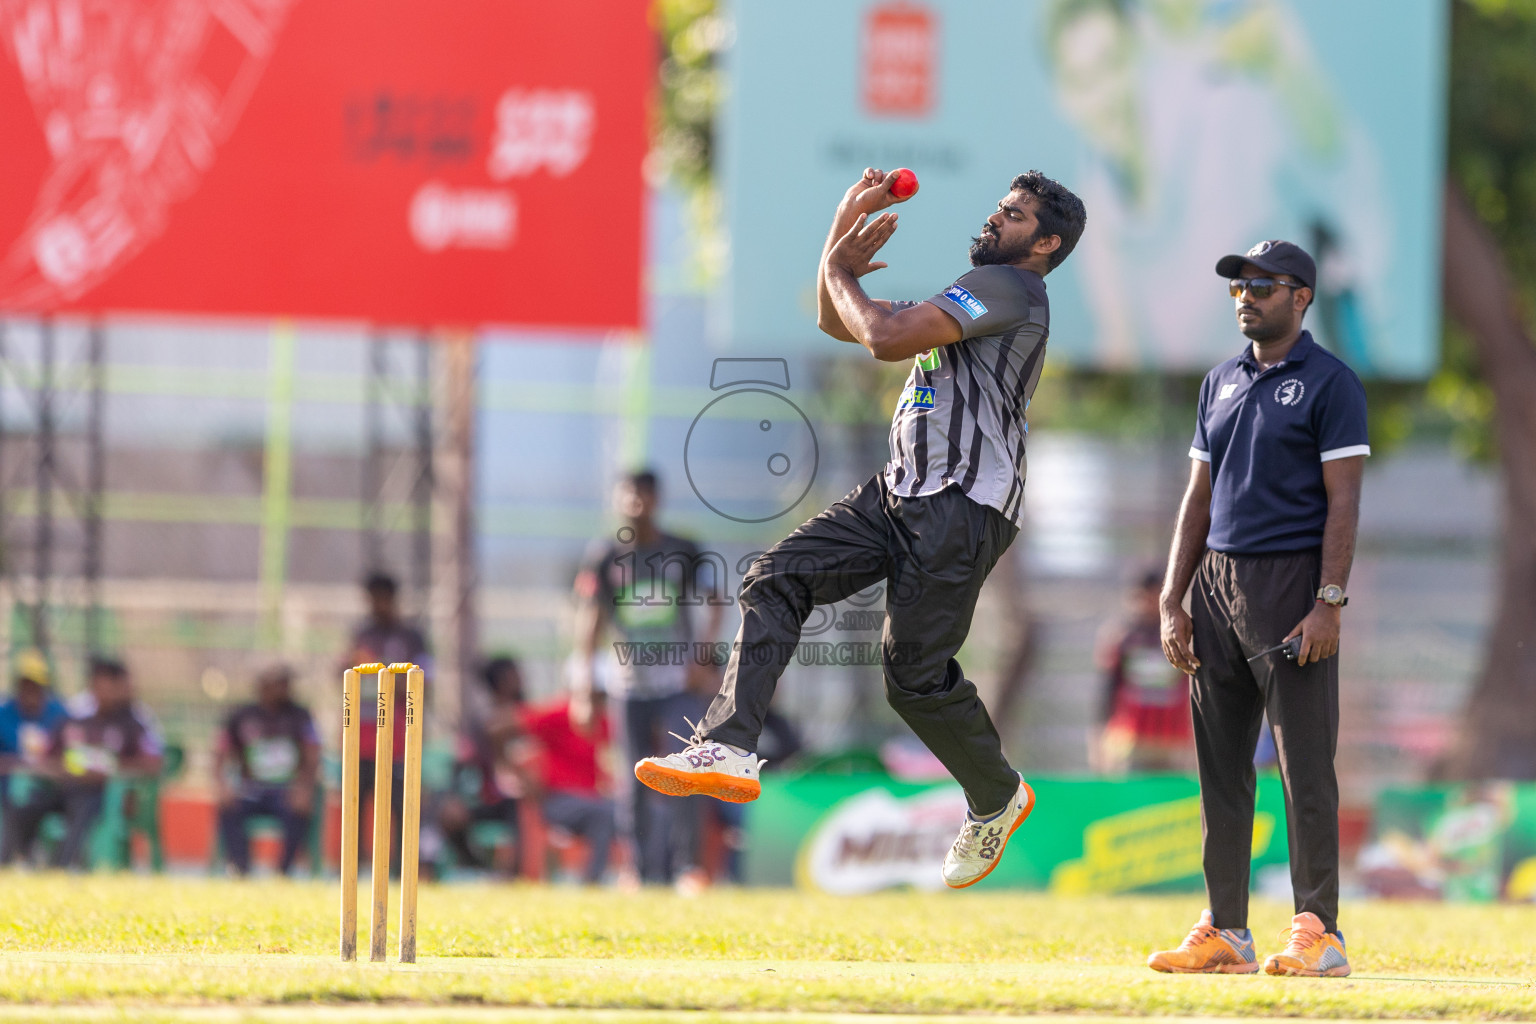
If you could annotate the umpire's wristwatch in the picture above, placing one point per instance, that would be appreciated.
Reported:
(1333, 594)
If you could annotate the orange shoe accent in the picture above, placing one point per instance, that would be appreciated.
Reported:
(1205, 951)
(1029, 805)
(678, 783)
(1310, 952)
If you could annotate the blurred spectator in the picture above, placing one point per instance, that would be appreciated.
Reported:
(27, 720)
(488, 781)
(84, 704)
(571, 784)
(266, 763)
(643, 587)
(84, 752)
(384, 637)
(1144, 714)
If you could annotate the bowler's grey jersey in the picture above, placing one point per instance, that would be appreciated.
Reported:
(960, 419)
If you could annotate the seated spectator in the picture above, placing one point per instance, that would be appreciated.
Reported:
(265, 764)
(84, 703)
(26, 720)
(488, 781)
(84, 752)
(572, 789)
(1145, 725)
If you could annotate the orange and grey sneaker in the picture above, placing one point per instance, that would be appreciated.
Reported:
(979, 846)
(703, 768)
(1209, 950)
(1311, 952)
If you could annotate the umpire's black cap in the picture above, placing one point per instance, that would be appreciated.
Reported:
(1275, 256)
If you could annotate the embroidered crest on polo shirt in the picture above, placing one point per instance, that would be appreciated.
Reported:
(1290, 392)
(1226, 392)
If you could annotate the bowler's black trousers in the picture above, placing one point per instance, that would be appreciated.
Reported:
(933, 553)
(1241, 605)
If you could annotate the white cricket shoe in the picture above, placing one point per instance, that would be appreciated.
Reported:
(704, 768)
(980, 844)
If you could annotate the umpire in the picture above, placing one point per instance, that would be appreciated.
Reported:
(1267, 533)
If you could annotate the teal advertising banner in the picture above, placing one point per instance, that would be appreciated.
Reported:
(1191, 129)
(849, 834)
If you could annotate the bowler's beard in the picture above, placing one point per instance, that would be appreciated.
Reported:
(988, 251)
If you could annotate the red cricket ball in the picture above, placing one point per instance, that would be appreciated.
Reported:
(905, 184)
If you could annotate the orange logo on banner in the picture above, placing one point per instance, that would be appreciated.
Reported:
(900, 59)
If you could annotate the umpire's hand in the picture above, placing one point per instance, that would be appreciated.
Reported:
(1178, 637)
(1319, 633)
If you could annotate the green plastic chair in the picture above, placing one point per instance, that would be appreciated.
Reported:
(132, 807)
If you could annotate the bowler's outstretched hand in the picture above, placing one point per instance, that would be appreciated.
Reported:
(855, 251)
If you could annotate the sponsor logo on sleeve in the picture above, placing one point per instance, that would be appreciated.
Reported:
(917, 397)
(1290, 392)
(966, 301)
(1226, 392)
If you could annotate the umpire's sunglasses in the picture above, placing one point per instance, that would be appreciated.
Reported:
(1260, 287)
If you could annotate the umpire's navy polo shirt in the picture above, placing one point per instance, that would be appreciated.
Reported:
(1266, 434)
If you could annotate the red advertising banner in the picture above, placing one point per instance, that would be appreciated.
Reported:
(398, 161)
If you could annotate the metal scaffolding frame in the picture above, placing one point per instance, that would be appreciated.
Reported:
(30, 458)
(409, 400)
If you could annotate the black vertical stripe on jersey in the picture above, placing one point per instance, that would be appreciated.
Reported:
(1005, 348)
(957, 410)
(898, 449)
(1026, 373)
(920, 438)
(1016, 404)
(976, 434)
(1000, 374)
(1012, 400)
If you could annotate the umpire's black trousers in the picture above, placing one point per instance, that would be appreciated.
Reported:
(1241, 605)
(933, 553)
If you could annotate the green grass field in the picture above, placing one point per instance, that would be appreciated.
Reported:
(135, 948)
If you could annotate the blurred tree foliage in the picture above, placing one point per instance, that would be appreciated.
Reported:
(1490, 370)
(692, 34)
(1491, 155)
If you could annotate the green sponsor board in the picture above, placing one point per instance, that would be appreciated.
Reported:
(1474, 842)
(865, 832)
